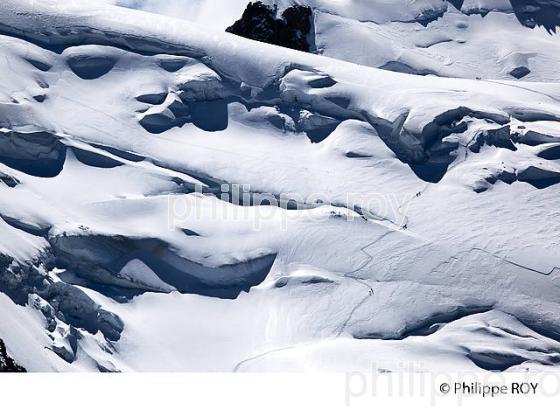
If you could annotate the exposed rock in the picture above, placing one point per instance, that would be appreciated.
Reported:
(259, 22)
(65, 302)
(532, 13)
(7, 364)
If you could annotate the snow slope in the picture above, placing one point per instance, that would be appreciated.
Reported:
(469, 39)
(417, 217)
(489, 39)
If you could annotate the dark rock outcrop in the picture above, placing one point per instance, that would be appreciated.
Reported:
(67, 303)
(260, 22)
(532, 13)
(7, 364)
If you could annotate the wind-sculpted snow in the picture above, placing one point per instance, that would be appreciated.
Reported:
(476, 335)
(175, 199)
(489, 39)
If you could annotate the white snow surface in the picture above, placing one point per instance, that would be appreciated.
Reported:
(427, 224)
(480, 39)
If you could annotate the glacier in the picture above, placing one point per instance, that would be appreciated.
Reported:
(406, 218)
